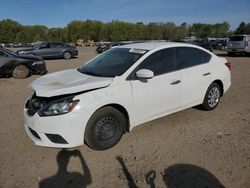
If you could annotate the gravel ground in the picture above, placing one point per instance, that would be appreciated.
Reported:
(191, 148)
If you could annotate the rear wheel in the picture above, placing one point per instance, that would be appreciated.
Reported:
(67, 55)
(20, 72)
(212, 97)
(105, 128)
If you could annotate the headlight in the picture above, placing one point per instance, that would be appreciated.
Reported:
(58, 107)
(37, 63)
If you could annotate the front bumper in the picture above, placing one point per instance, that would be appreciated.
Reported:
(74, 53)
(39, 69)
(63, 131)
(239, 50)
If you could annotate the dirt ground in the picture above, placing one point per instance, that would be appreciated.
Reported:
(192, 148)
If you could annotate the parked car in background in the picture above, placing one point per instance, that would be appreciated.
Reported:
(238, 44)
(211, 44)
(104, 46)
(51, 50)
(123, 87)
(20, 66)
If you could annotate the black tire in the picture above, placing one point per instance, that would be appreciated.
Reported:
(105, 128)
(20, 72)
(230, 54)
(67, 55)
(212, 97)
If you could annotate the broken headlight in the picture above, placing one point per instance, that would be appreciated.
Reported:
(58, 107)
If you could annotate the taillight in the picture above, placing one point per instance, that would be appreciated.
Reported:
(229, 66)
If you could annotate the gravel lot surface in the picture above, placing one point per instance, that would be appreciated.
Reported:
(192, 148)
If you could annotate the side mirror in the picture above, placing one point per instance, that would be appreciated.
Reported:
(144, 74)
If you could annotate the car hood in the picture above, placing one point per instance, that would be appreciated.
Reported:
(67, 82)
(30, 57)
(25, 50)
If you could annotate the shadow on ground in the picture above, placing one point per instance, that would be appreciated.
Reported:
(189, 176)
(176, 176)
(63, 178)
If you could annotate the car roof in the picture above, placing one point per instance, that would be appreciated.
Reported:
(153, 45)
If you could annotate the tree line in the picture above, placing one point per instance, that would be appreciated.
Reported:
(12, 31)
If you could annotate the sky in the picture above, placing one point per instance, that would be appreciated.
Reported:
(58, 13)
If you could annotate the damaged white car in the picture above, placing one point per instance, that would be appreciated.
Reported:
(120, 89)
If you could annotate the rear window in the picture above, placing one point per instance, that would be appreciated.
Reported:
(236, 38)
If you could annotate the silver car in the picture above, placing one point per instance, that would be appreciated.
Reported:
(238, 44)
(51, 50)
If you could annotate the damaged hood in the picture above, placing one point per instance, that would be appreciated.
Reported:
(67, 82)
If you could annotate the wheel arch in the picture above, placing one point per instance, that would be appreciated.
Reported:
(123, 110)
(220, 83)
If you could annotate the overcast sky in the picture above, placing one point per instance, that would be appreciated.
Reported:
(58, 13)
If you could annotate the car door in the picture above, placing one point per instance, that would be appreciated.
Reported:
(153, 98)
(56, 49)
(42, 50)
(196, 74)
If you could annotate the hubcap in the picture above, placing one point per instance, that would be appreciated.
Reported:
(106, 128)
(213, 97)
(67, 55)
(20, 71)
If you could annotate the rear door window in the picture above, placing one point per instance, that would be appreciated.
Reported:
(189, 57)
(56, 45)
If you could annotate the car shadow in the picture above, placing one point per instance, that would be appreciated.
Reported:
(63, 178)
(188, 176)
(176, 176)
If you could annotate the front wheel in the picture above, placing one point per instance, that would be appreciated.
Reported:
(212, 97)
(20, 72)
(105, 128)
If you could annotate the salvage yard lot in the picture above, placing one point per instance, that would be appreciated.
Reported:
(192, 147)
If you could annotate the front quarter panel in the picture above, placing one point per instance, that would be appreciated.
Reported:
(116, 93)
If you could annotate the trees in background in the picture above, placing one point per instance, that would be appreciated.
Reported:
(12, 31)
(243, 28)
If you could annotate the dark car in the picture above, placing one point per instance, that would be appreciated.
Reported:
(103, 46)
(51, 50)
(212, 44)
(20, 66)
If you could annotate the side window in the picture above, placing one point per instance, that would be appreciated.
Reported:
(206, 57)
(160, 62)
(188, 57)
(44, 45)
(56, 45)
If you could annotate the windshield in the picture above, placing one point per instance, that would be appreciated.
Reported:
(236, 38)
(10, 52)
(112, 63)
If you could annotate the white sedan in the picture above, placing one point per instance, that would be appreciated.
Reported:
(120, 89)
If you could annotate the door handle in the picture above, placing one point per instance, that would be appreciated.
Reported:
(175, 82)
(206, 74)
